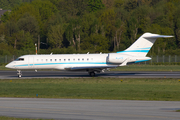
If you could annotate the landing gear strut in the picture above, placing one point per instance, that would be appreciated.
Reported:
(19, 73)
(92, 74)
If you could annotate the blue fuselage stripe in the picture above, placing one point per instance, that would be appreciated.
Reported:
(142, 60)
(145, 51)
(37, 64)
(101, 63)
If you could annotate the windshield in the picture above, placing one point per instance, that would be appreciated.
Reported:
(19, 59)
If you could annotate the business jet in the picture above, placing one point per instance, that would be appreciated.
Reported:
(92, 63)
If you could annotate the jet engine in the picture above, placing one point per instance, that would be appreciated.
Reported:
(120, 58)
(116, 58)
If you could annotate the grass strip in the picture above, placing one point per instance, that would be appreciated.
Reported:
(2, 67)
(93, 88)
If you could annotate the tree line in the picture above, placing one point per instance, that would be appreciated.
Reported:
(80, 26)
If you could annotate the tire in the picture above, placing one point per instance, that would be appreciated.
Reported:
(19, 76)
(92, 74)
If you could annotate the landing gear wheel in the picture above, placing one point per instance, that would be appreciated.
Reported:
(19, 76)
(92, 74)
(19, 73)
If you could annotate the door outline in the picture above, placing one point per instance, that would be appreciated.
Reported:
(31, 62)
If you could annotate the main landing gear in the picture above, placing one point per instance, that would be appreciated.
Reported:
(19, 73)
(92, 74)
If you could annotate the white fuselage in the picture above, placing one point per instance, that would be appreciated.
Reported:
(59, 62)
(70, 61)
(89, 62)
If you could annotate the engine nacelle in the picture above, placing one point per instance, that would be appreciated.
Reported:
(120, 58)
(116, 58)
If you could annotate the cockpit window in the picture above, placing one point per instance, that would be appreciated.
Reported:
(20, 59)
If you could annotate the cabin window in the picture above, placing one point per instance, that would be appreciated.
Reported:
(46, 60)
(41, 59)
(87, 59)
(20, 59)
(37, 59)
(51, 60)
(59, 59)
(55, 59)
(78, 59)
(83, 59)
(68, 59)
(73, 59)
(64, 59)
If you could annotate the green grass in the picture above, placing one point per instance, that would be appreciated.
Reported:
(139, 67)
(177, 110)
(12, 118)
(93, 88)
(2, 67)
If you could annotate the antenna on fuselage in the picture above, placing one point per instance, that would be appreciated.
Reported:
(36, 48)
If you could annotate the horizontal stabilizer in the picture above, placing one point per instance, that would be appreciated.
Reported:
(150, 35)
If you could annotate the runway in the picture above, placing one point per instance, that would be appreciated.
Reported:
(66, 74)
(78, 109)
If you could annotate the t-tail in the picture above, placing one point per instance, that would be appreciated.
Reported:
(143, 44)
(137, 51)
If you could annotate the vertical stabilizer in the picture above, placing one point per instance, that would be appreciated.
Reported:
(143, 44)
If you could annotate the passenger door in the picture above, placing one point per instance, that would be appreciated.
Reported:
(31, 62)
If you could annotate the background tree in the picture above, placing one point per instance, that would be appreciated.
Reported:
(55, 36)
(107, 19)
(79, 26)
(28, 23)
(95, 5)
(95, 43)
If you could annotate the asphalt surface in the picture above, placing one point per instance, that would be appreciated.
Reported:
(78, 109)
(66, 74)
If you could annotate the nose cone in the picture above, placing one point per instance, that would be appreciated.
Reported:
(8, 66)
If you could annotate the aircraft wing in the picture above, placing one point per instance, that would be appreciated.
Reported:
(89, 68)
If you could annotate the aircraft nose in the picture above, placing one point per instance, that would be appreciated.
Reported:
(8, 66)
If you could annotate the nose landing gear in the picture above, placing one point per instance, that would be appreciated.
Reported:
(19, 73)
